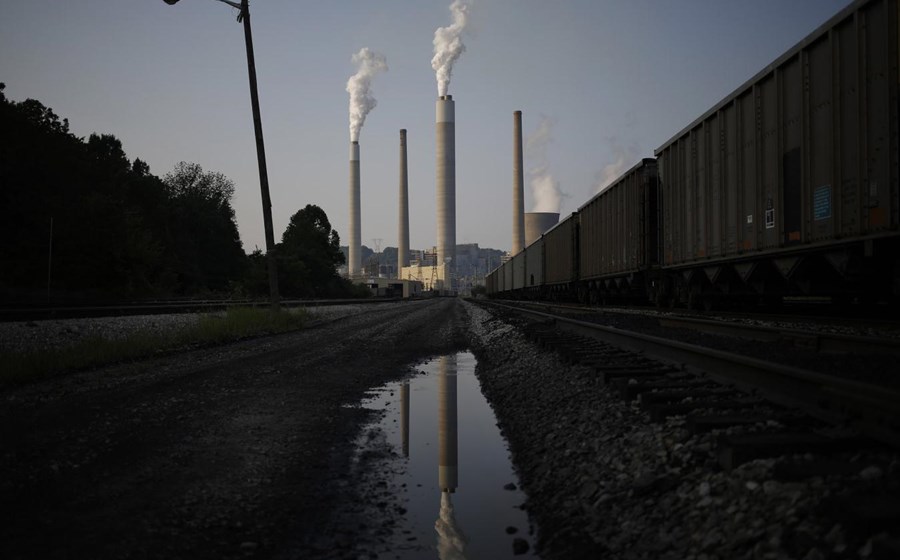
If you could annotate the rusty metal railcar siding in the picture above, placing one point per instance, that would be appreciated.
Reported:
(508, 284)
(490, 282)
(518, 270)
(613, 225)
(559, 252)
(805, 152)
(534, 264)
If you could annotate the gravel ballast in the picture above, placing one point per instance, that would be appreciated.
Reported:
(603, 481)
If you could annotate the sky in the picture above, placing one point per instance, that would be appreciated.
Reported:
(600, 83)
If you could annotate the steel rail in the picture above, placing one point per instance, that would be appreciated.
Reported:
(872, 410)
(820, 341)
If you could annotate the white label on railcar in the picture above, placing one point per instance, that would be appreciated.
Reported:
(749, 218)
(770, 218)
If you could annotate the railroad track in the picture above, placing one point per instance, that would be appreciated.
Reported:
(160, 307)
(805, 411)
(783, 328)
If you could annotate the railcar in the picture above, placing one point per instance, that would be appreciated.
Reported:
(561, 259)
(517, 263)
(790, 184)
(619, 238)
(534, 269)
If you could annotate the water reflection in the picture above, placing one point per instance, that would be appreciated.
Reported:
(451, 541)
(404, 416)
(448, 460)
(472, 461)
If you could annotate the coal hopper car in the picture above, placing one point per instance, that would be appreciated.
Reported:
(789, 186)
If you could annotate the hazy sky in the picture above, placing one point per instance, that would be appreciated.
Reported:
(611, 80)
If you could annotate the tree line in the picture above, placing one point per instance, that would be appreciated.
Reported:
(80, 221)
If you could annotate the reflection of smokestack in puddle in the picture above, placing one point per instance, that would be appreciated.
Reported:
(404, 416)
(445, 127)
(403, 235)
(447, 439)
(353, 263)
(518, 241)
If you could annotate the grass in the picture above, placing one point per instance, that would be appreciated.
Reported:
(212, 329)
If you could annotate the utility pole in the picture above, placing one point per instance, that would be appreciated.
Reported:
(244, 17)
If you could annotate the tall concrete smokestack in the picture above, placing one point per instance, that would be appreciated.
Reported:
(518, 207)
(403, 234)
(355, 260)
(445, 126)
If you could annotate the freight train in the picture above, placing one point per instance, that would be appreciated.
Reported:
(787, 187)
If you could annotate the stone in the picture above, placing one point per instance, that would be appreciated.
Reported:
(520, 546)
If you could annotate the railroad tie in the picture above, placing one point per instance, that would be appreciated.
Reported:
(659, 412)
(607, 374)
(735, 450)
(630, 391)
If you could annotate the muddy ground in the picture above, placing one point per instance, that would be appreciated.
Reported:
(233, 452)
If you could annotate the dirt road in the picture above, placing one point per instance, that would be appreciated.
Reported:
(231, 452)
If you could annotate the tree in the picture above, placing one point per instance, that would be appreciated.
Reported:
(205, 241)
(309, 252)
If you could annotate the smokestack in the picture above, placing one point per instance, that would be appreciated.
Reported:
(369, 64)
(445, 127)
(355, 258)
(403, 235)
(536, 223)
(518, 208)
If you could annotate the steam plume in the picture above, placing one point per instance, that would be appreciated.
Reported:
(612, 171)
(448, 44)
(544, 188)
(361, 101)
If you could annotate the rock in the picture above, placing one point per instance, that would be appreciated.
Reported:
(520, 546)
(509, 486)
(704, 488)
(870, 473)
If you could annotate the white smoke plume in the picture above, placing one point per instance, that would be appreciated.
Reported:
(544, 188)
(369, 64)
(624, 158)
(448, 45)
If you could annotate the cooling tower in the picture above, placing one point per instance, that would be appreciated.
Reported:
(445, 127)
(403, 234)
(518, 205)
(537, 223)
(355, 258)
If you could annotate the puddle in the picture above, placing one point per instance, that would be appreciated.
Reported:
(456, 467)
